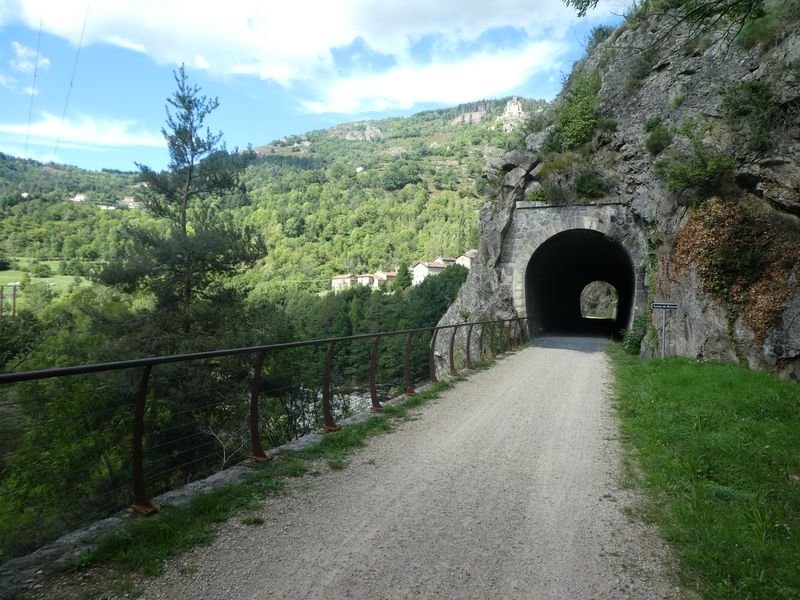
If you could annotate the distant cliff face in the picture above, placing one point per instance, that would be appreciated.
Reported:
(696, 138)
(514, 115)
(360, 132)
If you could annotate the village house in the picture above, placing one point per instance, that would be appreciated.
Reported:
(422, 270)
(382, 278)
(129, 202)
(465, 260)
(366, 280)
(374, 280)
(78, 198)
(342, 282)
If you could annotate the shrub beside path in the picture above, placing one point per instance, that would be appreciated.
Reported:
(507, 486)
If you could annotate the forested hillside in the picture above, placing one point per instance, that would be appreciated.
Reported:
(357, 197)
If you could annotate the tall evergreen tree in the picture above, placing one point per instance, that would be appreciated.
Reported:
(195, 239)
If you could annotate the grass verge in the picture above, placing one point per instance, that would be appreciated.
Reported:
(719, 451)
(142, 545)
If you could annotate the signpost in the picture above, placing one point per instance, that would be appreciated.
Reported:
(664, 307)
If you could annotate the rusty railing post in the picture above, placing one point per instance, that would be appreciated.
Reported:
(141, 501)
(13, 301)
(469, 364)
(491, 340)
(373, 374)
(407, 366)
(453, 370)
(432, 357)
(256, 449)
(513, 327)
(500, 334)
(481, 351)
(327, 414)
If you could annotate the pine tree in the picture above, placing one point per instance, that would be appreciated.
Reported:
(195, 241)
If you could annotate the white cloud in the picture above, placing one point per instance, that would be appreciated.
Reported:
(8, 82)
(285, 41)
(85, 132)
(477, 76)
(25, 59)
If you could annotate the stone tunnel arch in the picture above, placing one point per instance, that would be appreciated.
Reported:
(560, 268)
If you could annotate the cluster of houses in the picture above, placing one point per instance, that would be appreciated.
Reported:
(124, 202)
(373, 280)
(419, 272)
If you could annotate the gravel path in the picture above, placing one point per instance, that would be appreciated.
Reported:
(505, 487)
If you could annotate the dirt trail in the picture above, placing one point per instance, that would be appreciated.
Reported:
(505, 487)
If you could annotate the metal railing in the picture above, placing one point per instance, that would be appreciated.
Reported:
(8, 300)
(110, 434)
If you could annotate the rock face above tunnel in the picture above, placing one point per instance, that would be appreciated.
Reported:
(683, 246)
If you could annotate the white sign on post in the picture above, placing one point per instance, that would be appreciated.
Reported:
(664, 307)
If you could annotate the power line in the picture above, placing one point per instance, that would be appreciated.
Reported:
(72, 79)
(33, 88)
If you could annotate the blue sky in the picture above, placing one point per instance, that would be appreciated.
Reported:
(278, 68)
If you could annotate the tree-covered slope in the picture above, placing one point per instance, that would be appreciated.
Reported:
(356, 197)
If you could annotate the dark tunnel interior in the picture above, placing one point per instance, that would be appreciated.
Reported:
(559, 270)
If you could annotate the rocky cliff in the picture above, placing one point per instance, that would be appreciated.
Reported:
(694, 131)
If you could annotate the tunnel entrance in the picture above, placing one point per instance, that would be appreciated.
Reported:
(559, 271)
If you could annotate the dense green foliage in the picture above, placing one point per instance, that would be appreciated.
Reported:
(66, 442)
(577, 117)
(719, 456)
(695, 11)
(326, 202)
(658, 136)
(754, 113)
(51, 182)
(701, 168)
(777, 17)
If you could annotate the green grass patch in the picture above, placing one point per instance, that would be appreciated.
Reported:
(339, 444)
(143, 544)
(719, 451)
(402, 410)
(337, 463)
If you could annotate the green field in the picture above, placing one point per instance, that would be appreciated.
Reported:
(59, 283)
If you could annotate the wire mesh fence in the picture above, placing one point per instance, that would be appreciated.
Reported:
(78, 444)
